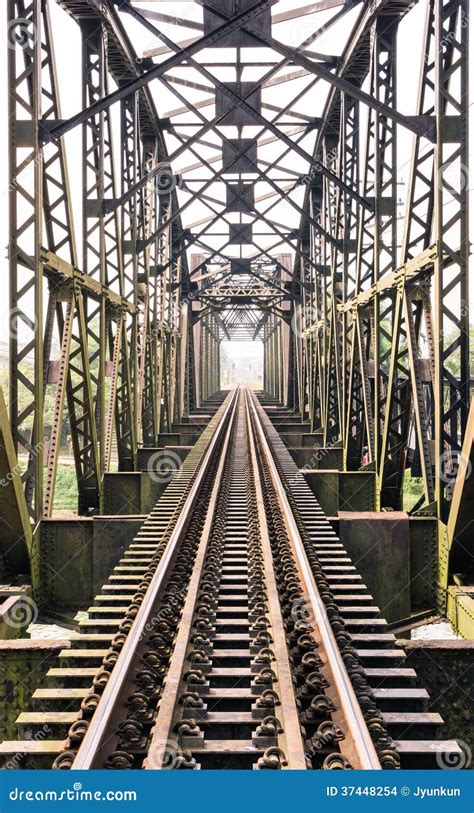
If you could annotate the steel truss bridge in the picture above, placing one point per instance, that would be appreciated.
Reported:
(237, 170)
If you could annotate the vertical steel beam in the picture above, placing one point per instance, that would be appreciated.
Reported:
(405, 391)
(451, 212)
(25, 317)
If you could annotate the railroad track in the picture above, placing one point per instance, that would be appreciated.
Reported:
(235, 633)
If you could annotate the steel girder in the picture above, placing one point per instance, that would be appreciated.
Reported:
(379, 343)
(109, 314)
(385, 344)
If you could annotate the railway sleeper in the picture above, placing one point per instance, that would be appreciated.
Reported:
(405, 707)
(230, 703)
(72, 683)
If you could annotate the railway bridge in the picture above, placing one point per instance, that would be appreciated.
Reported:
(203, 569)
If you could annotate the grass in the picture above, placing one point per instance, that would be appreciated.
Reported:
(412, 490)
(65, 495)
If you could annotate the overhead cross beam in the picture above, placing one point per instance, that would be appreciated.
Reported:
(51, 133)
(241, 103)
(258, 215)
(419, 125)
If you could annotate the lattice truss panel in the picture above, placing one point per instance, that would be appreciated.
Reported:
(240, 180)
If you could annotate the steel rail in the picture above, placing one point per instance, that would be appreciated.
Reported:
(244, 579)
(162, 729)
(295, 752)
(97, 730)
(356, 728)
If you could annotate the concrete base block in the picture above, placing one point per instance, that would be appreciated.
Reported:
(151, 458)
(168, 439)
(289, 425)
(379, 545)
(340, 490)
(133, 492)
(292, 439)
(325, 487)
(446, 670)
(177, 452)
(66, 556)
(77, 556)
(147, 456)
(308, 458)
(357, 491)
(312, 440)
(304, 458)
(189, 433)
(184, 426)
(111, 537)
(329, 457)
(423, 533)
(23, 667)
(302, 440)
